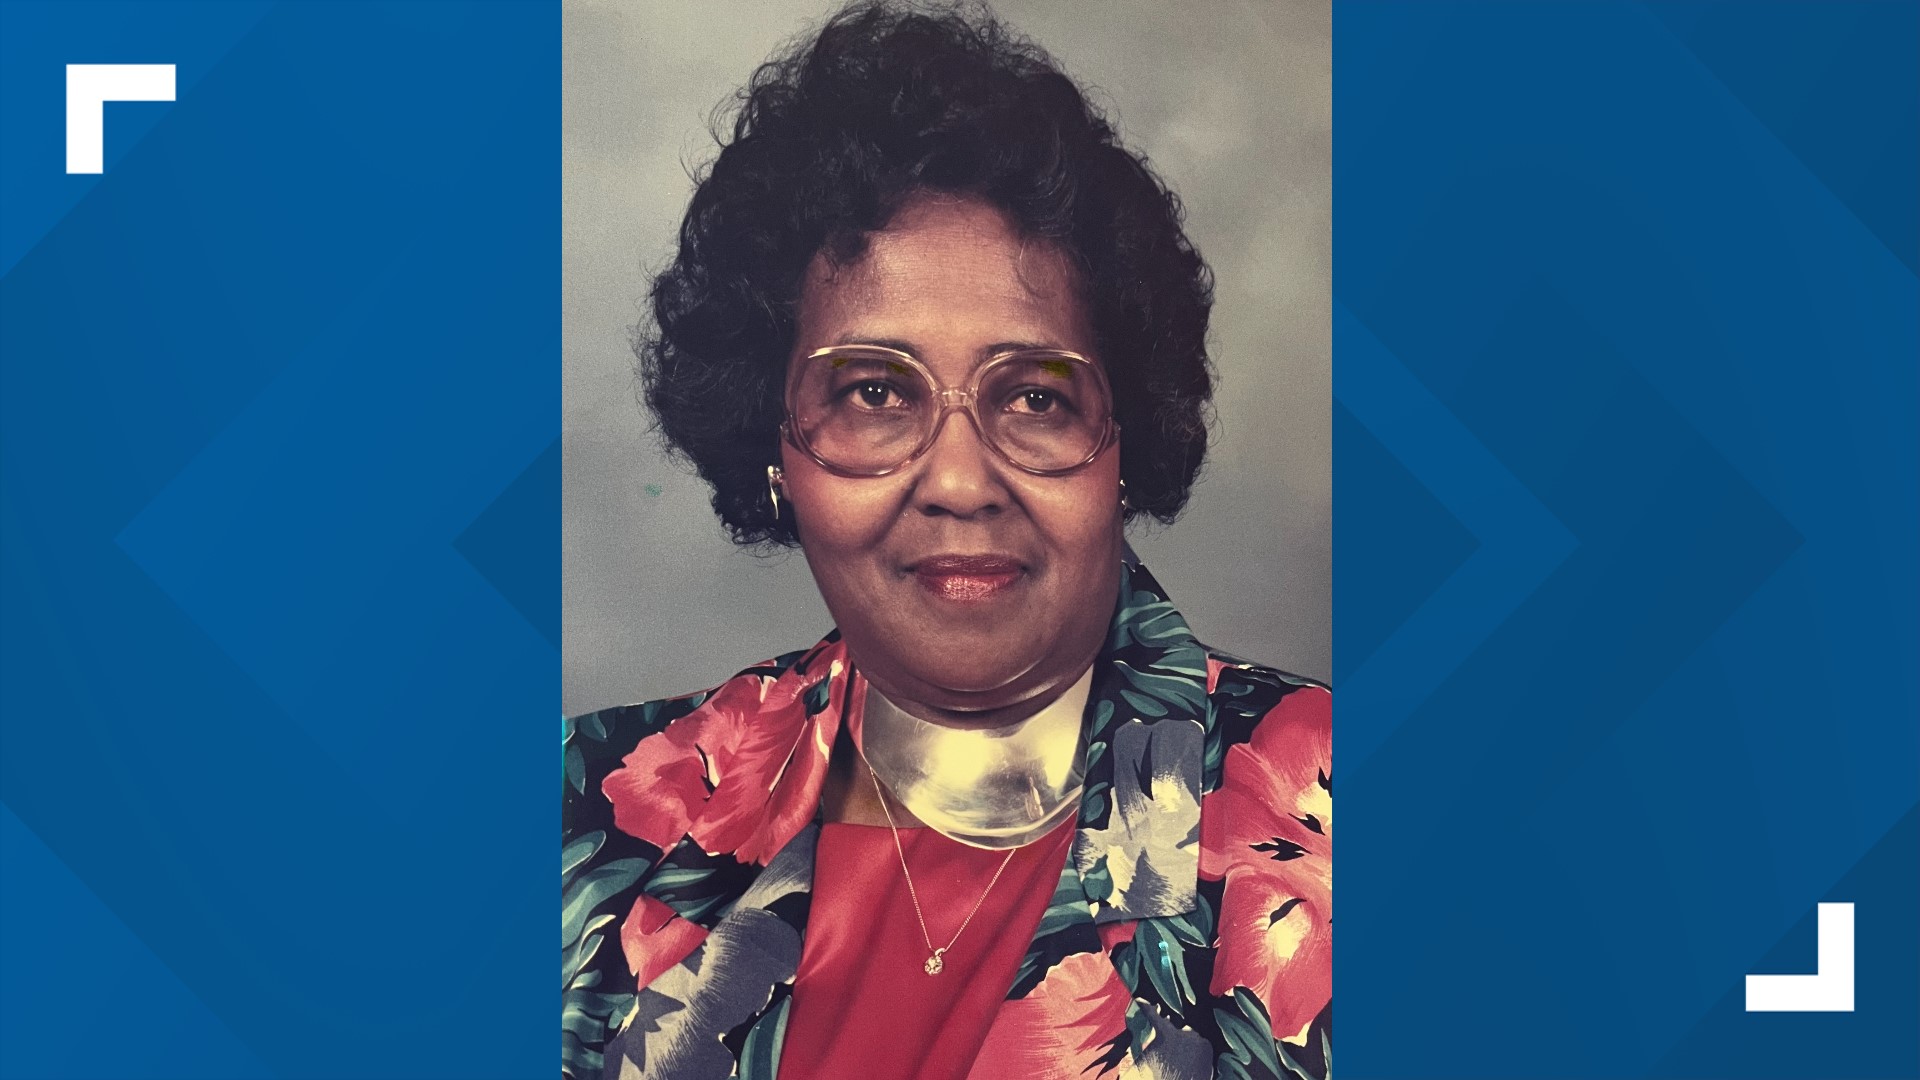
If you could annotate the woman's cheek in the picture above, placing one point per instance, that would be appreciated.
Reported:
(841, 517)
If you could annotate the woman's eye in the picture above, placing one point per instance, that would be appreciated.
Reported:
(873, 395)
(1035, 401)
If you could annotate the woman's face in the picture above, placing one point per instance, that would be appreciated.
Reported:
(959, 582)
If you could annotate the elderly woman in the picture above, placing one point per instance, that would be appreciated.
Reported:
(930, 322)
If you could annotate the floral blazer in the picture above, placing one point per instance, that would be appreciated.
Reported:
(1190, 933)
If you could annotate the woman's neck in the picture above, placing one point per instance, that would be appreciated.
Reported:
(1000, 716)
(975, 720)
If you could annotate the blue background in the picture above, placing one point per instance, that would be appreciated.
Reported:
(1625, 534)
(1626, 602)
(278, 406)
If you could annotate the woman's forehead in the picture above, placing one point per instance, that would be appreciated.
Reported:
(950, 278)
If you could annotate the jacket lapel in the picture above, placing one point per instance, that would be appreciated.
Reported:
(1130, 889)
(1138, 847)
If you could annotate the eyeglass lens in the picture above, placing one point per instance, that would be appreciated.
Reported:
(870, 413)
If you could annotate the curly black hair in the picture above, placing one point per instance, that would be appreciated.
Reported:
(886, 101)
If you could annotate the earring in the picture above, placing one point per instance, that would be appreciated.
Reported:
(1124, 504)
(774, 479)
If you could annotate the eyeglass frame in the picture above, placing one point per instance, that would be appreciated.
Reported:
(952, 399)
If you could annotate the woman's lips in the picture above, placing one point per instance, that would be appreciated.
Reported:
(966, 578)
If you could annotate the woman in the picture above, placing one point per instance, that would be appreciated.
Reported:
(930, 323)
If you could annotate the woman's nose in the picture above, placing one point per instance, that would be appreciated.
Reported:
(960, 475)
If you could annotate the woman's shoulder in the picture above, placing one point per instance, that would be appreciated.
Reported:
(651, 769)
(1265, 710)
(619, 728)
(1240, 675)
(595, 743)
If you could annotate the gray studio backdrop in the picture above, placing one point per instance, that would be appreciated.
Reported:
(1230, 101)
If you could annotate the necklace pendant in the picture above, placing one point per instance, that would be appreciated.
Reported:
(934, 963)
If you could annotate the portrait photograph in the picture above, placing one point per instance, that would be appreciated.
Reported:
(946, 541)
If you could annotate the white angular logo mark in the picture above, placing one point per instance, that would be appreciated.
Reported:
(89, 88)
(1829, 989)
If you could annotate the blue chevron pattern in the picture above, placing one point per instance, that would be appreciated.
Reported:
(270, 391)
(1630, 292)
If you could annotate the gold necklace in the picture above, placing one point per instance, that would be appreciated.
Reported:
(996, 788)
(934, 962)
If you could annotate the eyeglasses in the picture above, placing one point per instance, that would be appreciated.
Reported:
(865, 410)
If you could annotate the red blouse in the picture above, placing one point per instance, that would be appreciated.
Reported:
(863, 1004)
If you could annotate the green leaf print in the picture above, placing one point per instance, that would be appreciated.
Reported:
(760, 1053)
(576, 769)
(578, 900)
(1098, 880)
(579, 850)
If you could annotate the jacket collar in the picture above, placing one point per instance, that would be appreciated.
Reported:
(1137, 850)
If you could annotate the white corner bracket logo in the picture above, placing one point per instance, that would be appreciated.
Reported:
(89, 88)
(1829, 989)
